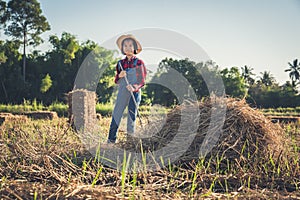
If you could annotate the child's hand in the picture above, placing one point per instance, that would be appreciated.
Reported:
(130, 88)
(122, 74)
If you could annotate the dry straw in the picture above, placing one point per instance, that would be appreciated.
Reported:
(246, 134)
(42, 115)
(8, 117)
(47, 161)
(82, 108)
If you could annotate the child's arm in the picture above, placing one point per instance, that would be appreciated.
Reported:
(120, 73)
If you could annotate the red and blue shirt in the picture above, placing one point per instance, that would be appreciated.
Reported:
(141, 71)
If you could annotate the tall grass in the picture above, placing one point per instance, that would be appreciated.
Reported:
(104, 109)
(21, 108)
(62, 109)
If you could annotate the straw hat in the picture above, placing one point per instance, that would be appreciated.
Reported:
(123, 37)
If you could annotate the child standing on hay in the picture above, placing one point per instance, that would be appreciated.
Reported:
(134, 69)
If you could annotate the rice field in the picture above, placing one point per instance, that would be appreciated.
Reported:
(44, 159)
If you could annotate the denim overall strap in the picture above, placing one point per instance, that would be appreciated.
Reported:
(119, 65)
(135, 62)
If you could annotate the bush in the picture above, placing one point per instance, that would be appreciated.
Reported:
(60, 108)
(104, 109)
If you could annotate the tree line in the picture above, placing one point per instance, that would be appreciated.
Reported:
(48, 76)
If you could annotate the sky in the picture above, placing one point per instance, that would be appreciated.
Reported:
(262, 34)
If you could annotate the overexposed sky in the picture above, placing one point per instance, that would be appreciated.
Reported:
(263, 34)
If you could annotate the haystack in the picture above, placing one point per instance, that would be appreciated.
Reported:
(245, 135)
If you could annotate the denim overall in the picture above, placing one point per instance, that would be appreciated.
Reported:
(124, 99)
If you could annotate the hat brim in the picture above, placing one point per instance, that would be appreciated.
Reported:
(123, 37)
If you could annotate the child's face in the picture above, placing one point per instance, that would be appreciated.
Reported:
(128, 47)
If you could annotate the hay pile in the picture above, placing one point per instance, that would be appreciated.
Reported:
(42, 115)
(8, 117)
(245, 135)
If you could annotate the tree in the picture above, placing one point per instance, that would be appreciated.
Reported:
(2, 11)
(294, 72)
(247, 73)
(12, 87)
(273, 96)
(267, 78)
(188, 73)
(3, 57)
(23, 20)
(233, 82)
(46, 83)
(65, 60)
(62, 63)
(66, 47)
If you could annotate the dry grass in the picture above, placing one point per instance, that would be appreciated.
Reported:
(245, 131)
(45, 159)
(10, 118)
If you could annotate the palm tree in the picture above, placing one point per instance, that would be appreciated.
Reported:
(294, 71)
(267, 78)
(247, 72)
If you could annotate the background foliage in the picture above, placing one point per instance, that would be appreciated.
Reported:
(51, 74)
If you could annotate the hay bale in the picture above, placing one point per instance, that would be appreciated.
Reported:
(42, 115)
(246, 134)
(82, 108)
(10, 118)
(285, 119)
(4, 116)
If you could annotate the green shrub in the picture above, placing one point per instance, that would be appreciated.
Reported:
(60, 108)
(104, 109)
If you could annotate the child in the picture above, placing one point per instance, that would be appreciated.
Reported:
(135, 71)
